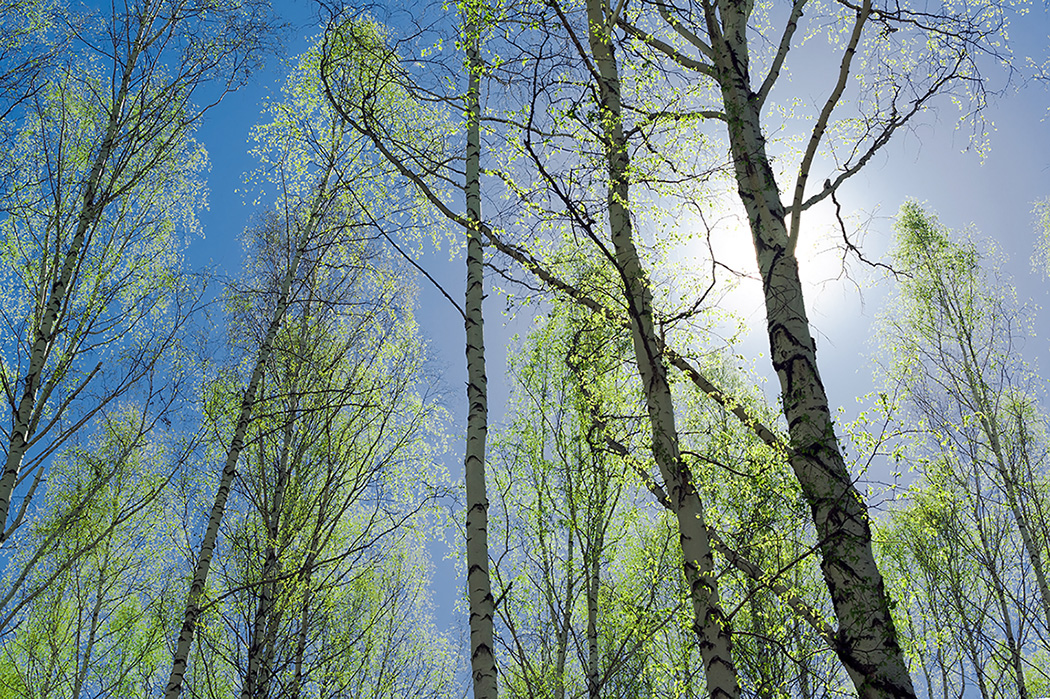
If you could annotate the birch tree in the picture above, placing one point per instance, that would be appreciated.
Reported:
(954, 341)
(367, 84)
(586, 36)
(953, 558)
(321, 176)
(105, 184)
(336, 447)
(713, 48)
(569, 514)
(952, 336)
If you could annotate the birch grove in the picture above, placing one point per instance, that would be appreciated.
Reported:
(269, 480)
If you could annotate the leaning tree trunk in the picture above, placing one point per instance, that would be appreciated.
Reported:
(211, 534)
(867, 640)
(710, 622)
(479, 588)
(49, 325)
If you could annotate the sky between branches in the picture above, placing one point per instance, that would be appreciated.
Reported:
(993, 194)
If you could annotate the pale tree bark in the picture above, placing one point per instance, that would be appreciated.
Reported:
(565, 623)
(46, 328)
(358, 112)
(710, 622)
(866, 639)
(479, 587)
(207, 547)
(593, 580)
(301, 638)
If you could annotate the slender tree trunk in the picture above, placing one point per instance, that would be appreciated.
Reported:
(867, 640)
(304, 579)
(84, 660)
(255, 678)
(710, 622)
(296, 684)
(207, 549)
(48, 326)
(804, 674)
(562, 650)
(593, 579)
(479, 589)
(944, 675)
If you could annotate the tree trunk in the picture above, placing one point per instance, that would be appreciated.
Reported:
(562, 650)
(300, 645)
(256, 678)
(710, 623)
(207, 550)
(479, 589)
(593, 579)
(48, 327)
(867, 640)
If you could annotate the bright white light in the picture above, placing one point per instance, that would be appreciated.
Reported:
(819, 253)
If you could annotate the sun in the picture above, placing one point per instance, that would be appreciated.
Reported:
(723, 233)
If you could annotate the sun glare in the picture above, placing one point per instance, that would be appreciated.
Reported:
(819, 252)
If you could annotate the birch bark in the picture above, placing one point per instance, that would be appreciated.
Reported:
(47, 327)
(866, 639)
(479, 587)
(256, 680)
(710, 622)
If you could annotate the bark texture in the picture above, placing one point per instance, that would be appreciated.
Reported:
(479, 587)
(866, 641)
(710, 622)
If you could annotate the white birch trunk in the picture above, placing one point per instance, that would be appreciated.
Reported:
(710, 622)
(48, 327)
(479, 588)
(867, 641)
(593, 581)
(562, 652)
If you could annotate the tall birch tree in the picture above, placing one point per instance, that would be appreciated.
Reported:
(105, 185)
(367, 84)
(712, 46)
(954, 344)
(320, 175)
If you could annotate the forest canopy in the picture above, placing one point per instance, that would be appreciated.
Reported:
(262, 479)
